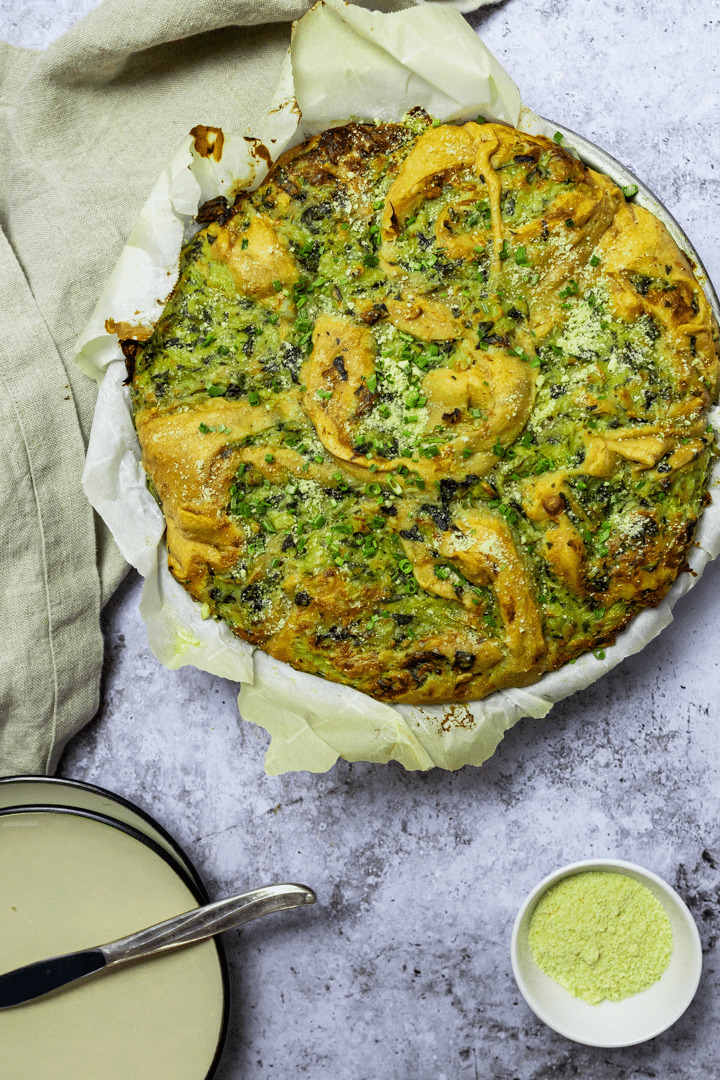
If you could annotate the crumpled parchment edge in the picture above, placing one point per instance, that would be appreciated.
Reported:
(344, 62)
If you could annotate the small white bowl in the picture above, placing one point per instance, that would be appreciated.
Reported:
(612, 1023)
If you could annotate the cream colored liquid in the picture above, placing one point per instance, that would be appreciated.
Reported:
(68, 883)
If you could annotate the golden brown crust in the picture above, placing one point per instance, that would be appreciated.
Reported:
(427, 414)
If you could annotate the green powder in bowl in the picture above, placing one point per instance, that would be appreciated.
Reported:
(601, 935)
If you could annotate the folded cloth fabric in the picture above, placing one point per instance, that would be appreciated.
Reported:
(86, 128)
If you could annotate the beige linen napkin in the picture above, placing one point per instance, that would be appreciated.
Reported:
(86, 127)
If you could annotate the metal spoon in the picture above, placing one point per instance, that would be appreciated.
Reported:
(41, 978)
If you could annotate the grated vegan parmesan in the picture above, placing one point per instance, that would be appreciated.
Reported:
(601, 935)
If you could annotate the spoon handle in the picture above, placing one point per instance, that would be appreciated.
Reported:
(205, 921)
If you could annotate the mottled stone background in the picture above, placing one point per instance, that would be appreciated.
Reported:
(402, 970)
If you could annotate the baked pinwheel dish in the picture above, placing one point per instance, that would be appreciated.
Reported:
(427, 412)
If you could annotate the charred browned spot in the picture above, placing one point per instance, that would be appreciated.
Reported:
(562, 165)
(208, 141)
(553, 504)
(420, 665)
(365, 400)
(339, 365)
(214, 210)
(360, 139)
(286, 184)
(452, 417)
(130, 339)
(318, 173)
(127, 330)
(334, 143)
(379, 311)
(259, 149)
(529, 155)
(457, 716)
(418, 113)
(391, 687)
(331, 635)
(336, 155)
(131, 350)
(680, 300)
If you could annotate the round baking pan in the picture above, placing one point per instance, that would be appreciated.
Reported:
(51, 790)
(73, 879)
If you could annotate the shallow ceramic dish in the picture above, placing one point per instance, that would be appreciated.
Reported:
(612, 1023)
(72, 880)
(55, 791)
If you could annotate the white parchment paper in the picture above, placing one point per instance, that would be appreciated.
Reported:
(344, 63)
